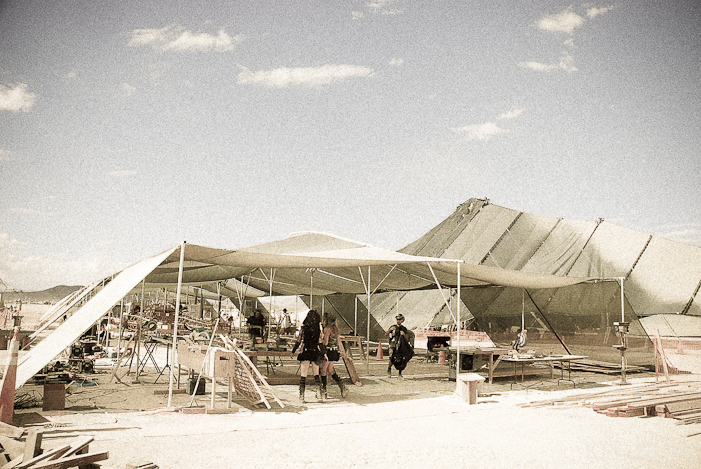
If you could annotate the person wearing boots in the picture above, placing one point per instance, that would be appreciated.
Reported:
(310, 340)
(331, 338)
(396, 333)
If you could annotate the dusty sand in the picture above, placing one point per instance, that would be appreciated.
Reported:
(415, 422)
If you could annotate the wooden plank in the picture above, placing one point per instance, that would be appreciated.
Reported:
(665, 399)
(54, 453)
(694, 403)
(10, 430)
(350, 366)
(11, 446)
(76, 460)
(14, 463)
(32, 445)
(79, 446)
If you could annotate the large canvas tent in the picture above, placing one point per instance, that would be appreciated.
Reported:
(305, 263)
(660, 277)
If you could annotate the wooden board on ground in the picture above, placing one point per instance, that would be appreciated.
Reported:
(350, 366)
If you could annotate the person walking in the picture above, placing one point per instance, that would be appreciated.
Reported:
(330, 341)
(400, 348)
(310, 340)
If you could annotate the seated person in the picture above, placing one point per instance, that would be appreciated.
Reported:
(256, 323)
(520, 340)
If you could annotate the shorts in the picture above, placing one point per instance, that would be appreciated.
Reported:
(313, 356)
(332, 354)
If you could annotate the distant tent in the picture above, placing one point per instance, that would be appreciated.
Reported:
(660, 276)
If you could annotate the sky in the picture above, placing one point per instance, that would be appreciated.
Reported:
(129, 127)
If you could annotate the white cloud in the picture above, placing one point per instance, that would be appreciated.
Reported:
(176, 38)
(126, 89)
(7, 242)
(16, 98)
(26, 211)
(312, 77)
(6, 155)
(564, 22)
(566, 63)
(483, 131)
(689, 233)
(512, 114)
(396, 62)
(32, 272)
(383, 7)
(593, 12)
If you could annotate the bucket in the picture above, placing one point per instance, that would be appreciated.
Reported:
(191, 382)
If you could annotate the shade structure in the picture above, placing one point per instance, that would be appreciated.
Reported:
(337, 265)
(303, 263)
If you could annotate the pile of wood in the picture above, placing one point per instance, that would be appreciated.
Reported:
(602, 367)
(21, 449)
(679, 401)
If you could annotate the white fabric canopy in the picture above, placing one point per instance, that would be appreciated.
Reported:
(337, 265)
(305, 263)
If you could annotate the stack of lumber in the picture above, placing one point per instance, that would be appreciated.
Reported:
(601, 367)
(678, 401)
(21, 449)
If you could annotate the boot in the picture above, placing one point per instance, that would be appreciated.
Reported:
(302, 386)
(389, 371)
(341, 386)
(324, 395)
(317, 392)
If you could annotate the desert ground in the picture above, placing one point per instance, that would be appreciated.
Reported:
(418, 421)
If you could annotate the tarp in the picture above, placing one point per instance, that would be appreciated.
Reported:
(660, 276)
(318, 263)
(71, 329)
(304, 263)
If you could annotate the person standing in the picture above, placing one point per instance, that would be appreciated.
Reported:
(330, 341)
(400, 348)
(310, 340)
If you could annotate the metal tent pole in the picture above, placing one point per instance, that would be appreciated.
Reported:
(138, 329)
(459, 325)
(175, 322)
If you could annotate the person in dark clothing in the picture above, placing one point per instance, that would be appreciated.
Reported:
(312, 351)
(256, 325)
(330, 340)
(400, 348)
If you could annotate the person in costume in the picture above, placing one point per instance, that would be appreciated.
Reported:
(310, 341)
(400, 348)
(330, 341)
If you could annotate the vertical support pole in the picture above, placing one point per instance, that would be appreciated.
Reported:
(367, 340)
(457, 371)
(175, 323)
(624, 341)
(355, 324)
(138, 331)
(121, 321)
(270, 304)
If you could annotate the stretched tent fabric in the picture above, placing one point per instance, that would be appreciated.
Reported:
(477, 239)
(71, 329)
(561, 248)
(611, 252)
(339, 265)
(666, 278)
